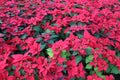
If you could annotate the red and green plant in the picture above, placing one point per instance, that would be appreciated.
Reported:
(59, 39)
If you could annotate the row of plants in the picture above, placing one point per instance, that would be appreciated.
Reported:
(60, 40)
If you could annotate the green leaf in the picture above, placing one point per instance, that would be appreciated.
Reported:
(1, 22)
(24, 36)
(89, 59)
(75, 53)
(81, 24)
(36, 77)
(79, 35)
(113, 69)
(96, 69)
(11, 73)
(88, 50)
(22, 72)
(65, 72)
(65, 54)
(96, 48)
(54, 24)
(47, 31)
(48, 17)
(108, 69)
(97, 35)
(36, 34)
(43, 46)
(74, 78)
(99, 73)
(72, 23)
(80, 78)
(76, 6)
(92, 72)
(39, 40)
(88, 66)
(43, 22)
(78, 59)
(50, 52)
(51, 41)
(73, 14)
(110, 47)
(117, 53)
(64, 65)
(36, 28)
(13, 67)
(54, 36)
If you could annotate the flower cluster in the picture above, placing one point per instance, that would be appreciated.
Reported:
(59, 39)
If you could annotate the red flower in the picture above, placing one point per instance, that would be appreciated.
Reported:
(31, 77)
(72, 68)
(3, 74)
(102, 65)
(81, 72)
(54, 72)
(58, 46)
(110, 77)
(1, 35)
(2, 1)
(19, 58)
(11, 78)
(2, 66)
(93, 77)
(34, 48)
(89, 39)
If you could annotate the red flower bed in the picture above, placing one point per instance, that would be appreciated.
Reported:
(59, 40)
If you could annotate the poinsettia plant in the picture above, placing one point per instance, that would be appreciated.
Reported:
(59, 39)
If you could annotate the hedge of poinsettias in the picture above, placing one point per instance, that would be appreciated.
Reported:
(60, 40)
